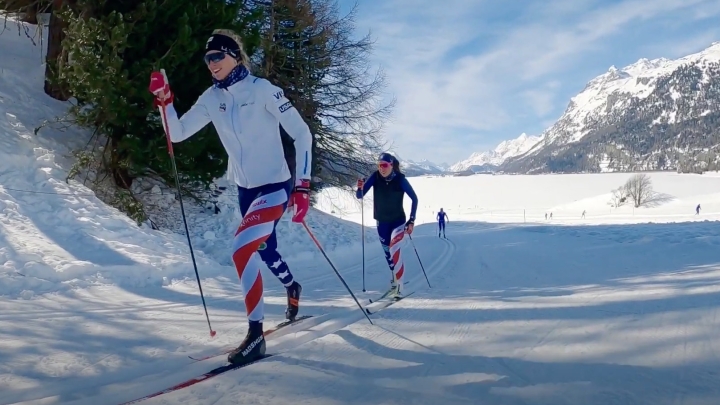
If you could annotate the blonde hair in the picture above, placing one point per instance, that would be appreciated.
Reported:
(244, 59)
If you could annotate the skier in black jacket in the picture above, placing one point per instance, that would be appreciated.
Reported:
(389, 189)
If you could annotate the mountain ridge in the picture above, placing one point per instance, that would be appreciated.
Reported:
(659, 114)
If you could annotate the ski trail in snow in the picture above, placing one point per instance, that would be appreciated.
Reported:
(617, 325)
(150, 376)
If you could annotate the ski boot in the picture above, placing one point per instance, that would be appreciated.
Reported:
(394, 288)
(252, 348)
(293, 301)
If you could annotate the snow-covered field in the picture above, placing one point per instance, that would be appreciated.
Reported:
(619, 307)
(526, 199)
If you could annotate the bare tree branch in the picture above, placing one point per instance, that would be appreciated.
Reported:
(310, 51)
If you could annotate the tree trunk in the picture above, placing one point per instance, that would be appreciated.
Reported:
(54, 53)
(121, 175)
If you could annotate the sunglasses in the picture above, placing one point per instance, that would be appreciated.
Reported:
(384, 165)
(214, 57)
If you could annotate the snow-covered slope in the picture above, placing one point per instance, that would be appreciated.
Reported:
(505, 150)
(614, 89)
(648, 115)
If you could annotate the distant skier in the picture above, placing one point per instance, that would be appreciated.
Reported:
(238, 100)
(441, 216)
(583, 214)
(389, 189)
(697, 210)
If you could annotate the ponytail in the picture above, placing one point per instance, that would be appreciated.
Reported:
(396, 165)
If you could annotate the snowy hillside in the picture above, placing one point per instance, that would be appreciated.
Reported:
(493, 158)
(670, 104)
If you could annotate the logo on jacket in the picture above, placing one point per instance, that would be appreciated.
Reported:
(278, 96)
(285, 107)
(223, 107)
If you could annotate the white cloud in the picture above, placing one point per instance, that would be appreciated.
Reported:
(541, 100)
(517, 62)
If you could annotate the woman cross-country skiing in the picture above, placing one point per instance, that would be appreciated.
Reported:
(247, 112)
(389, 188)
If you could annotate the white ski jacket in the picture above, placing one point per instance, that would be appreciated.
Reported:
(246, 116)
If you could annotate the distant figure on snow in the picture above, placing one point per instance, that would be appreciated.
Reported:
(583, 214)
(441, 216)
(389, 188)
(697, 210)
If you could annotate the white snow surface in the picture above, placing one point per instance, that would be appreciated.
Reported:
(619, 307)
(504, 151)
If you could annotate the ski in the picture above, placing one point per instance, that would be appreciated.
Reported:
(266, 333)
(385, 295)
(210, 374)
(389, 292)
(229, 367)
(393, 300)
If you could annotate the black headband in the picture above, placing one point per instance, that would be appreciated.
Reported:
(223, 43)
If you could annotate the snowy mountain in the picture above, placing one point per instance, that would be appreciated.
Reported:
(493, 158)
(657, 114)
(423, 167)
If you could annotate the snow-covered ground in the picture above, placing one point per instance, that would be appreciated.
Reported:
(526, 199)
(617, 308)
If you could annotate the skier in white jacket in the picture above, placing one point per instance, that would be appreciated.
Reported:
(247, 112)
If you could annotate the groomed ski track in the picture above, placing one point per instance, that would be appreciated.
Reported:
(155, 376)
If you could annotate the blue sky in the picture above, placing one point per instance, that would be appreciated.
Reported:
(468, 74)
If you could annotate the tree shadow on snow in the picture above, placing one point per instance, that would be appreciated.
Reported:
(657, 199)
(53, 216)
(609, 294)
(424, 375)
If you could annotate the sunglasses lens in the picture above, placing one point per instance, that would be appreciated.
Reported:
(384, 165)
(214, 57)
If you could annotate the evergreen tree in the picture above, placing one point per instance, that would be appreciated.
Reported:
(111, 48)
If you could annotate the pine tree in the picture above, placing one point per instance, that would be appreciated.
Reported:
(111, 48)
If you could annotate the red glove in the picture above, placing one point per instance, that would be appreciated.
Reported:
(360, 184)
(160, 87)
(300, 199)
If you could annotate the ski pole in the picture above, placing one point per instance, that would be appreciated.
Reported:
(419, 261)
(336, 272)
(362, 235)
(182, 210)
